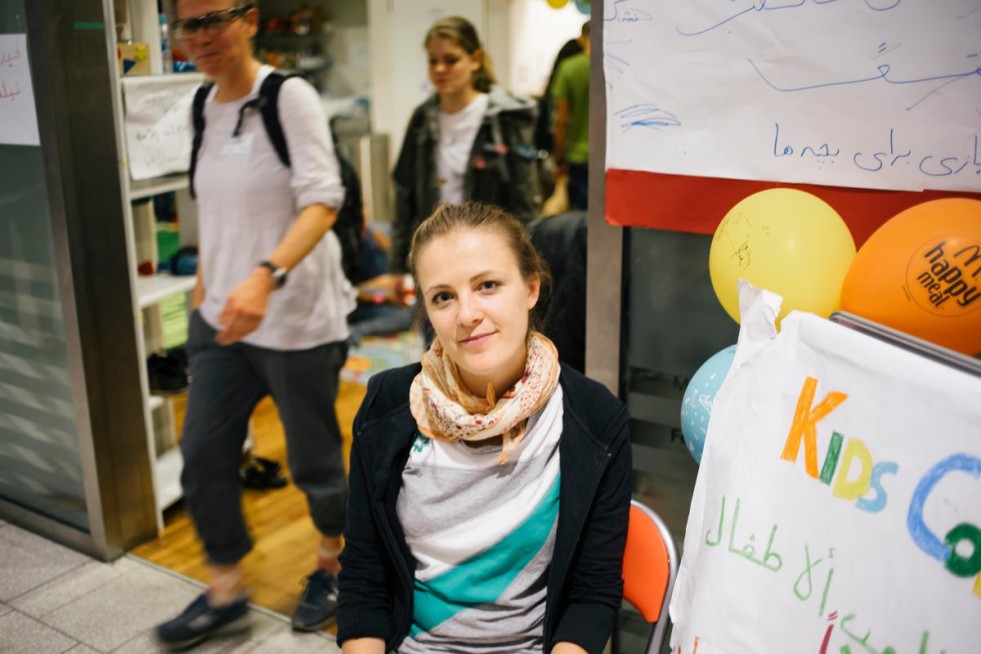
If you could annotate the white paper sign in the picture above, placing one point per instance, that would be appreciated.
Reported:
(158, 123)
(881, 94)
(18, 117)
(838, 503)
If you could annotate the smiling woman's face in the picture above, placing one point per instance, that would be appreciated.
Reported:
(478, 304)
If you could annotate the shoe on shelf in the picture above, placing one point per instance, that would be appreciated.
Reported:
(318, 604)
(167, 373)
(260, 473)
(200, 620)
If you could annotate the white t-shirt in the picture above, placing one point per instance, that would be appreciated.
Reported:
(456, 135)
(247, 200)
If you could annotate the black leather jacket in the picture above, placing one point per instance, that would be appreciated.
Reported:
(501, 169)
(584, 579)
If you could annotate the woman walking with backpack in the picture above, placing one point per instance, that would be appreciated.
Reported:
(270, 306)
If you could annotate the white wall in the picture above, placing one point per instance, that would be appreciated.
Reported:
(537, 32)
(349, 47)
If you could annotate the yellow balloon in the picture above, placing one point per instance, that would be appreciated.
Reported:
(557, 4)
(786, 241)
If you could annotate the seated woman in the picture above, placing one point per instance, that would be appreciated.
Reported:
(490, 485)
(382, 297)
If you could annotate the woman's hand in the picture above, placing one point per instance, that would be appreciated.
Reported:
(245, 307)
(568, 648)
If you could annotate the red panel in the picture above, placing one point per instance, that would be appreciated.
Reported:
(697, 204)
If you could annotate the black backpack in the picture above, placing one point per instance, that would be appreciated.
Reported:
(349, 226)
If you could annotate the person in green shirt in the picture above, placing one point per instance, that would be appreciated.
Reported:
(571, 129)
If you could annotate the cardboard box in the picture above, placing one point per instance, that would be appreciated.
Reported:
(133, 59)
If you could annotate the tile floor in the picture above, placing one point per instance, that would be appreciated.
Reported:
(55, 600)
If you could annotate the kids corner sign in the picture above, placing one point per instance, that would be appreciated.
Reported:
(838, 503)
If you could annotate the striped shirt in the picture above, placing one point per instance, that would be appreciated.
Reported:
(482, 536)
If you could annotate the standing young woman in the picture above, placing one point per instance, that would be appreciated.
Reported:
(270, 307)
(490, 485)
(470, 141)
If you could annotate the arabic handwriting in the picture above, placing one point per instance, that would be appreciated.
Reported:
(9, 93)
(827, 633)
(827, 583)
(760, 6)
(863, 641)
(646, 115)
(767, 555)
(884, 158)
(770, 560)
(732, 528)
(868, 166)
(718, 533)
(819, 152)
(809, 566)
(624, 13)
(7, 58)
(884, 71)
(748, 550)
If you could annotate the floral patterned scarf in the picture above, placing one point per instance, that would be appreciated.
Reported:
(446, 411)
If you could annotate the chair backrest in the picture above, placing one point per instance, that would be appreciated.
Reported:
(650, 566)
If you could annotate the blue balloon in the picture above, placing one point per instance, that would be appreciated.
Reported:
(696, 407)
(583, 6)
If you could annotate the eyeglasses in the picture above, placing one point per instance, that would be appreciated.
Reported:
(213, 22)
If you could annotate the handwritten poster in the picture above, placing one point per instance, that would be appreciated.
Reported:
(158, 123)
(18, 118)
(875, 94)
(838, 503)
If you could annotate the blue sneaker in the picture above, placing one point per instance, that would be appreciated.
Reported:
(318, 604)
(200, 620)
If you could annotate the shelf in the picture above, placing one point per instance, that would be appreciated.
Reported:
(147, 188)
(163, 78)
(152, 289)
(168, 490)
(296, 39)
(156, 401)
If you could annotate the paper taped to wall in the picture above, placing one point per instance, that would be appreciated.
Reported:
(18, 119)
(880, 94)
(158, 123)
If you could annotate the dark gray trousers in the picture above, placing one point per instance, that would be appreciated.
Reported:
(226, 384)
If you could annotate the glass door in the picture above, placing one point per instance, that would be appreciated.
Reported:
(40, 461)
(74, 462)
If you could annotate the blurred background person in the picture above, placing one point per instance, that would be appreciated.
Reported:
(471, 140)
(544, 140)
(570, 94)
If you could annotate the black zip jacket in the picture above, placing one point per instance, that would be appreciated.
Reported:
(584, 579)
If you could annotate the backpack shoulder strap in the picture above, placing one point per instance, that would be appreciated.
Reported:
(197, 120)
(269, 108)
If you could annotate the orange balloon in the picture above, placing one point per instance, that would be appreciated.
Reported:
(920, 273)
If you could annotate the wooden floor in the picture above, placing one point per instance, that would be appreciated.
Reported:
(284, 536)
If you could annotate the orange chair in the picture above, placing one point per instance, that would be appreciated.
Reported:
(650, 566)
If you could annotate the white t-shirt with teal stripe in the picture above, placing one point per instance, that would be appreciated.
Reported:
(482, 535)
